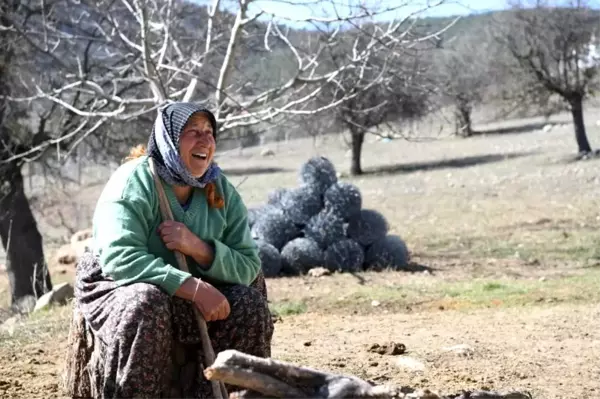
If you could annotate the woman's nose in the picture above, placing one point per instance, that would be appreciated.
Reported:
(204, 138)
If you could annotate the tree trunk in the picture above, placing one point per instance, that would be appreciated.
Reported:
(463, 121)
(27, 272)
(358, 138)
(270, 378)
(25, 265)
(580, 135)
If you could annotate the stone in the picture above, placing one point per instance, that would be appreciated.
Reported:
(81, 242)
(81, 235)
(81, 247)
(59, 295)
(461, 350)
(66, 255)
(319, 272)
(392, 349)
(10, 325)
(409, 363)
(267, 152)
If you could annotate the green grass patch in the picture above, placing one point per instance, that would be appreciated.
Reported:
(45, 325)
(492, 286)
(476, 293)
(288, 308)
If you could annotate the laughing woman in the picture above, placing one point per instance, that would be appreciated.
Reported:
(133, 306)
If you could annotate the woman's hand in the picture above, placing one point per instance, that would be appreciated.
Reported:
(210, 301)
(177, 237)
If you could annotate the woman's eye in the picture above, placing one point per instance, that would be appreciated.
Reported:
(194, 132)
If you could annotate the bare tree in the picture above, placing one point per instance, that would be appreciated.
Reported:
(463, 69)
(146, 53)
(389, 89)
(22, 241)
(99, 69)
(549, 45)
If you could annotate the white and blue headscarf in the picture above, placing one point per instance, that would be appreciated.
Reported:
(163, 145)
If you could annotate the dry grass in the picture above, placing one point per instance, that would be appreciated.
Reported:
(394, 292)
(507, 227)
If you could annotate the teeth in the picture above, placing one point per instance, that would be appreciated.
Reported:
(200, 155)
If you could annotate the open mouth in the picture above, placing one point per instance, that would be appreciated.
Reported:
(200, 155)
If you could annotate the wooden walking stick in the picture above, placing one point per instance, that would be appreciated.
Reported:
(218, 387)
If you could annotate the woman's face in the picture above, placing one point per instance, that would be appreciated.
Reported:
(197, 144)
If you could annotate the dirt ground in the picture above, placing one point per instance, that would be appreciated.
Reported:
(535, 339)
(506, 231)
(539, 350)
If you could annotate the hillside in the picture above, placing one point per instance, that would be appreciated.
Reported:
(505, 227)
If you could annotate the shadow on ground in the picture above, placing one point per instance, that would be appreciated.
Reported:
(461, 162)
(413, 267)
(516, 129)
(579, 157)
(257, 170)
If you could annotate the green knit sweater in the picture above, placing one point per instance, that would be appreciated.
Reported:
(125, 234)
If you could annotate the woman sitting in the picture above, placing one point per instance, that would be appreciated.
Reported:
(133, 302)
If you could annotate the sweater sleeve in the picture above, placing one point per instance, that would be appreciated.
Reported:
(236, 257)
(121, 231)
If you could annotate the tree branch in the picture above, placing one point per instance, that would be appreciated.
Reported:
(273, 378)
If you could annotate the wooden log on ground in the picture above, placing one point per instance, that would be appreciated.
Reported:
(260, 378)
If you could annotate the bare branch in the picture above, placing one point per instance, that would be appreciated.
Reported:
(550, 48)
(123, 59)
(231, 46)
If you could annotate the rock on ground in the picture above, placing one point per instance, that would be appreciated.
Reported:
(59, 295)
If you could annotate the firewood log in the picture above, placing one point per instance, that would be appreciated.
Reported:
(268, 378)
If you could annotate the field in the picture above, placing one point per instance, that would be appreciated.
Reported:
(505, 229)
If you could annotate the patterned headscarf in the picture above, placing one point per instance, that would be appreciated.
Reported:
(163, 145)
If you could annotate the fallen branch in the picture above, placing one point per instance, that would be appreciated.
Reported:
(260, 378)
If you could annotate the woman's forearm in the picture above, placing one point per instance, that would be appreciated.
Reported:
(187, 289)
(203, 254)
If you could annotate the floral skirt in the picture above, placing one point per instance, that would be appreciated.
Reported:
(136, 340)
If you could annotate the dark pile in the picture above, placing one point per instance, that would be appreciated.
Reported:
(325, 228)
(387, 252)
(300, 255)
(321, 223)
(270, 258)
(344, 199)
(345, 255)
(318, 172)
(275, 228)
(300, 204)
(367, 227)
